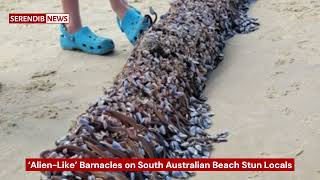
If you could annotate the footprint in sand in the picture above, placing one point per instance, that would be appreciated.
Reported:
(283, 61)
(287, 111)
(294, 87)
(277, 73)
(308, 45)
(280, 62)
(43, 74)
(303, 44)
(290, 6)
(310, 119)
(50, 112)
(297, 9)
(274, 92)
(271, 93)
(40, 85)
(284, 58)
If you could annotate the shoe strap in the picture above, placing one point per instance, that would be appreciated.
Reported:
(131, 11)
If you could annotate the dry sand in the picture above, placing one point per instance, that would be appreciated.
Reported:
(266, 92)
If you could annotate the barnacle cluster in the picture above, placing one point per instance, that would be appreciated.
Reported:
(156, 107)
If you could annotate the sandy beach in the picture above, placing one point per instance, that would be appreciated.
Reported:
(265, 93)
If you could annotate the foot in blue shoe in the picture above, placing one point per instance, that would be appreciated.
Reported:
(134, 24)
(86, 41)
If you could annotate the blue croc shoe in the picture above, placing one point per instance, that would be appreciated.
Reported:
(86, 41)
(134, 24)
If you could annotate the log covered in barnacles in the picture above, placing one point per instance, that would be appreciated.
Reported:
(155, 108)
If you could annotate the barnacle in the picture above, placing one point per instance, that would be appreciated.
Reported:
(156, 107)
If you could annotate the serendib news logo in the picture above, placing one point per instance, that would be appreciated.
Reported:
(39, 18)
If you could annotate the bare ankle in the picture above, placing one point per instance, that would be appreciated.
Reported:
(122, 11)
(120, 8)
(73, 28)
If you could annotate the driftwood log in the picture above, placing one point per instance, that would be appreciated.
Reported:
(155, 108)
